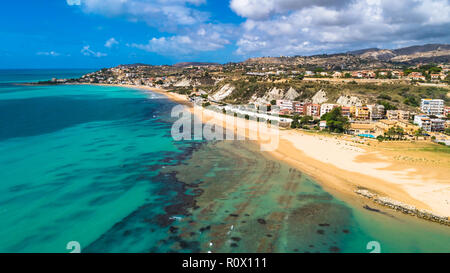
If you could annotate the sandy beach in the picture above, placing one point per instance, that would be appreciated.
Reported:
(412, 176)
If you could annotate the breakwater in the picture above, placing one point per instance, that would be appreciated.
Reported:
(405, 208)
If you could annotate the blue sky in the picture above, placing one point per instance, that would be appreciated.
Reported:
(104, 33)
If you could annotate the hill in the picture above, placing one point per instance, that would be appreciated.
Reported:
(366, 58)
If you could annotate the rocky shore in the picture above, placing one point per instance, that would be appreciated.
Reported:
(405, 208)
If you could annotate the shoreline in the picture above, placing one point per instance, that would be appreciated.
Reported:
(343, 166)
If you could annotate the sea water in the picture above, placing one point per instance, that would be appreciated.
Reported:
(97, 165)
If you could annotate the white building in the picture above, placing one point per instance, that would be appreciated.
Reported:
(326, 108)
(432, 106)
(285, 104)
(423, 122)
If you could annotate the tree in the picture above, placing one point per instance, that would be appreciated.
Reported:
(336, 122)
(295, 123)
(305, 120)
(419, 132)
(387, 105)
(411, 101)
(395, 132)
(273, 102)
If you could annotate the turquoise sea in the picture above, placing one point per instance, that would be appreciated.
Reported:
(97, 165)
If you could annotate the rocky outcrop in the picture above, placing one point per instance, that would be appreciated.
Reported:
(183, 83)
(405, 208)
(319, 97)
(349, 101)
(291, 94)
(223, 92)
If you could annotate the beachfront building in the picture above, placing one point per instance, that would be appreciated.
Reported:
(385, 124)
(323, 124)
(423, 122)
(397, 115)
(326, 108)
(346, 111)
(432, 106)
(376, 111)
(364, 129)
(285, 104)
(313, 110)
(298, 107)
(361, 113)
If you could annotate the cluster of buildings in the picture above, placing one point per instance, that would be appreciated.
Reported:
(433, 112)
(368, 112)
(372, 120)
(386, 73)
(431, 119)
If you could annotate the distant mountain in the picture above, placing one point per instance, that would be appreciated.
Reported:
(411, 54)
(362, 51)
(134, 65)
(184, 64)
(367, 58)
(421, 48)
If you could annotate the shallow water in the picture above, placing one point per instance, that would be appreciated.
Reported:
(97, 165)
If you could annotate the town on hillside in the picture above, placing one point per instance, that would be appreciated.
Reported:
(396, 103)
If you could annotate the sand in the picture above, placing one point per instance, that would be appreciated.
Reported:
(342, 165)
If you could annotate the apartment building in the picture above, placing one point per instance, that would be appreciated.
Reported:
(346, 111)
(437, 125)
(298, 107)
(432, 106)
(326, 108)
(285, 104)
(376, 111)
(397, 115)
(423, 122)
(313, 110)
(360, 112)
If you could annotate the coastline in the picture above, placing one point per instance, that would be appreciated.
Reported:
(344, 166)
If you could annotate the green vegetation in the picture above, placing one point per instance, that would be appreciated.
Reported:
(335, 121)
(302, 122)
(392, 96)
(411, 101)
(387, 105)
(394, 133)
(447, 131)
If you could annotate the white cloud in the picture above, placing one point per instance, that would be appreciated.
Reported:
(165, 14)
(111, 42)
(282, 27)
(48, 53)
(73, 2)
(86, 51)
(205, 38)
